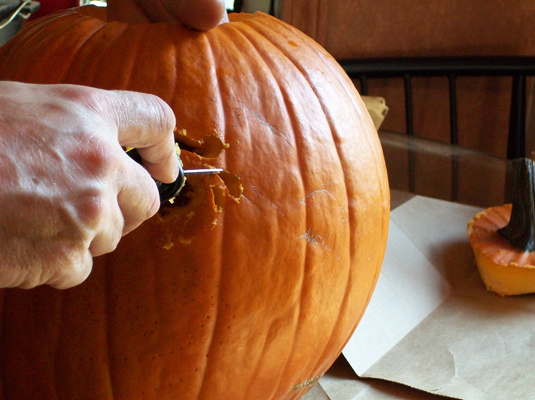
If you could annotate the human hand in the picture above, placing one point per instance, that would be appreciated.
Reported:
(68, 191)
(197, 14)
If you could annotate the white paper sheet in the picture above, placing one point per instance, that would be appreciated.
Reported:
(408, 290)
(432, 325)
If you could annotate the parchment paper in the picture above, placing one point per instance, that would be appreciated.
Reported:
(432, 325)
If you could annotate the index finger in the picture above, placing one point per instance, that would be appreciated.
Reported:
(147, 123)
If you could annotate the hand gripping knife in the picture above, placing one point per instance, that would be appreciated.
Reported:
(170, 190)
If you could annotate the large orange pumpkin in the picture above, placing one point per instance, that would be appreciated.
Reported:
(249, 286)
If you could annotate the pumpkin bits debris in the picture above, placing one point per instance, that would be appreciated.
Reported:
(503, 237)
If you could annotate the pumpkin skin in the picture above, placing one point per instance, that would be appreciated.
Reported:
(251, 285)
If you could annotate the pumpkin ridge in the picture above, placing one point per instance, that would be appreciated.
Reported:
(73, 66)
(29, 36)
(347, 85)
(241, 33)
(110, 373)
(242, 30)
(268, 22)
(353, 227)
(127, 76)
(305, 74)
(257, 368)
(306, 271)
(301, 162)
(74, 49)
(220, 239)
(61, 18)
(342, 83)
(224, 121)
(244, 106)
(91, 60)
(303, 276)
(174, 83)
(173, 80)
(345, 299)
(305, 264)
(351, 272)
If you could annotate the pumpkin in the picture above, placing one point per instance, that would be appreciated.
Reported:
(503, 238)
(250, 284)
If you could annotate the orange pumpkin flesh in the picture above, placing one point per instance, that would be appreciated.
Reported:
(505, 269)
(251, 284)
(503, 238)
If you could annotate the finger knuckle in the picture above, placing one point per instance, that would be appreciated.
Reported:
(153, 205)
(97, 158)
(75, 270)
(107, 239)
(167, 117)
(88, 97)
(163, 117)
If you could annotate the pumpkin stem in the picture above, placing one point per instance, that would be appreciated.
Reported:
(520, 232)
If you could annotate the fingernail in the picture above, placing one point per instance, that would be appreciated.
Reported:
(224, 19)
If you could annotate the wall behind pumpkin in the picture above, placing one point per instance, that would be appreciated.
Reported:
(389, 28)
(49, 6)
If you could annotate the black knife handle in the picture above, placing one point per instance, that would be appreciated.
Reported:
(167, 190)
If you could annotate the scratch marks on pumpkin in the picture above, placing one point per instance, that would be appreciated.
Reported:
(262, 120)
(311, 238)
(255, 189)
(255, 116)
(307, 383)
(315, 239)
(342, 214)
(311, 194)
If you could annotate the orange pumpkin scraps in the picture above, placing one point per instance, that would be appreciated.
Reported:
(502, 238)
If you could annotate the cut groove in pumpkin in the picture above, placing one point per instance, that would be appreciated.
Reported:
(233, 183)
(209, 146)
(182, 199)
(220, 196)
